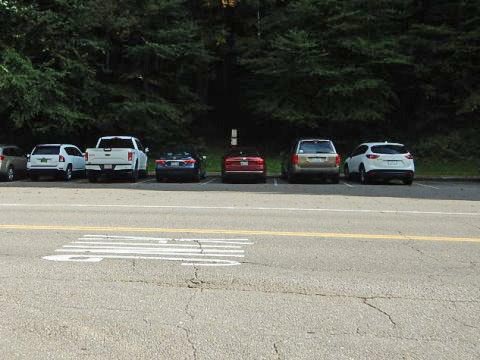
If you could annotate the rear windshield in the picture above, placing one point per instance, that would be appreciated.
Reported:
(389, 149)
(46, 150)
(315, 147)
(176, 153)
(116, 143)
(243, 153)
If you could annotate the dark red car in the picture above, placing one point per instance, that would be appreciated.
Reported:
(243, 163)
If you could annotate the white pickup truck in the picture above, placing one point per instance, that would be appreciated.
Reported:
(116, 155)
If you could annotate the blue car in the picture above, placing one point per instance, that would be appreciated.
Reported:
(180, 162)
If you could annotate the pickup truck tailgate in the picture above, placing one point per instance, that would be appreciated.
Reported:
(109, 156)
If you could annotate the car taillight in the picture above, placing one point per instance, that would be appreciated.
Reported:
(190, 161)
(338, 160)
(2, 157)
(294, 159)
(409, 156)
(61, 158)
(130, 156)
(372, 156)
(86, 156)
(160, 162)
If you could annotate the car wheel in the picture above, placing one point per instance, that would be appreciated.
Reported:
(67, 176)
(291, 178)
(134, 175)
(407, 181)
(11, 174)
(346, 172)
(143, 174)
(92, 178)
(197, 177)
(363, 175)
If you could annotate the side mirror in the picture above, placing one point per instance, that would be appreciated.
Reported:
(147, 150)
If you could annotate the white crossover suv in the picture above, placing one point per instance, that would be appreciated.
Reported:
(382, 161)
(59, 160)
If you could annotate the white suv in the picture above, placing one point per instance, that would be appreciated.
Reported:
(59, 160)
(383, 161)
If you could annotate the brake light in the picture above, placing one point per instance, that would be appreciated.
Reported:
(2, 157)
(372, 156)
(260, 161)
(61, 158)
(295, 159)
(190, 161)
(86, 156)
(160, 162)
(130, 156)
(409, 156)
(338, 160)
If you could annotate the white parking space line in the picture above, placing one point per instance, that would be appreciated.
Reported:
(95, 248)
(208, 182)
(427, 186)
(347, 184)
(241, 208)
(275, 182)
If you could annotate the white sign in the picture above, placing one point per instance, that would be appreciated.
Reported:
(188, 251)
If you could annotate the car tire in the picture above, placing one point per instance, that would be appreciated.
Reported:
(363, 175)
(11, 175)
(143, 174)
(134, 175)
(346, 172)
(68, 174)
(197, 177)
(291, 178)
(92, 178)
(407, 181)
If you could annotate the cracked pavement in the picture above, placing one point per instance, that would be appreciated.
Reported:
(291, 297)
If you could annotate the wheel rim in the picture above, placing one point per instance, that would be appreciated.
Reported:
(11, 174)
(362, 175)
(69, 174)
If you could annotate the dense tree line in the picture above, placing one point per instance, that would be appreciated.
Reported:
(165, 69)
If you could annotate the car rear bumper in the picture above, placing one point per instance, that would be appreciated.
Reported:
(176, 172)
(391, 174)
(330, 171)
(46, 172)
(109, 173)
(244, 174)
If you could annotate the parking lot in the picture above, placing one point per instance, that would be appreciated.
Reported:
(239, 271)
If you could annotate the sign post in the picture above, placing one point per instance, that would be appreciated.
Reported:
(234, 138)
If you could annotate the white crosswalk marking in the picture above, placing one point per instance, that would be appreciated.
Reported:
(188, 251)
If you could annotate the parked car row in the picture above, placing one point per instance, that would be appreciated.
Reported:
(126, 156)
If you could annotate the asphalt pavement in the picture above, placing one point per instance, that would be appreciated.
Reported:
(207, 270)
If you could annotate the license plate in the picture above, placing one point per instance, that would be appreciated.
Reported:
(174, 163)
(43, 160)
(108, 167)
(243, 163)
(392, 162)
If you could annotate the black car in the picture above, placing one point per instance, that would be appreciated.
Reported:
(181, 162)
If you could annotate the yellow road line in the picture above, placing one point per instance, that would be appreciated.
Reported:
(239, 232)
